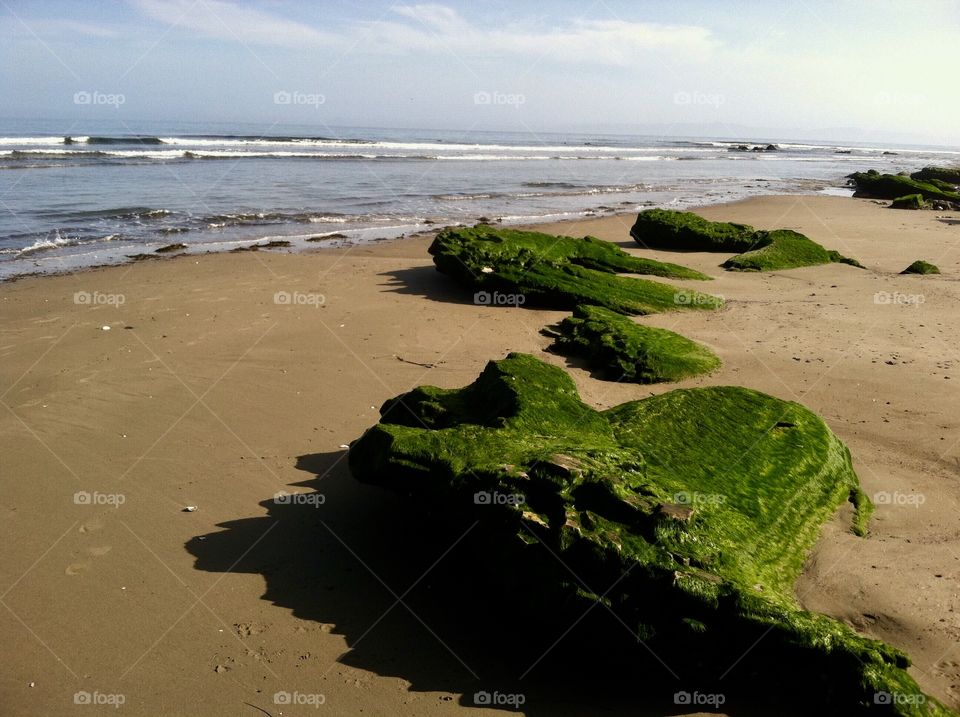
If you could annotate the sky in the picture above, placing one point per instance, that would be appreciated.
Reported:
(797, 68)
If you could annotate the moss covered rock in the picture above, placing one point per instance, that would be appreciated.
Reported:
(560, 272)
(761, 250)
(686, 231)
(623, 350)
(948, 175)
(874, 185)
(910, 201)
(921, 267)
(784, 249)
(695, 509)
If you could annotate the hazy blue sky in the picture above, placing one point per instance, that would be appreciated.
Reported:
(887, 68)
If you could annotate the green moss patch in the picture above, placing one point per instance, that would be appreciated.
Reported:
(910, 201)
(695, 509)
(891, 186)
(784, 249)
(921, 267)
(560, 272)
(686, 231)
(623, 350)
(947, 175)
(761, 250)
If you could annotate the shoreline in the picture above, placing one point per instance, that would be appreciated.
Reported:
(304, 243)
(217, 396)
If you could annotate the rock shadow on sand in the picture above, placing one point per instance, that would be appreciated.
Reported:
(418, 602)
(428, 283)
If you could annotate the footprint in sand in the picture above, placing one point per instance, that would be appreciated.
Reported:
(946, 668)
(81, 567)
(91, 526)
(97, 551)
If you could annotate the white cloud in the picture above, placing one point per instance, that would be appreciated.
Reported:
(436, 16)
(224, 20)
(437, 28)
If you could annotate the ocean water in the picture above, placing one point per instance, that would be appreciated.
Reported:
(76, 195)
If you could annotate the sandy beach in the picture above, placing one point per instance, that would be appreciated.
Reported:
(226, 378)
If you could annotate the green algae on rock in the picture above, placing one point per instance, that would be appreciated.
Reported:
(698, 507)
(921, 267)
(909, 201)
(874, 185)
(947, 175)
(761, 250)
(624, 350)
(686, 231)
(561, 272)
(784, 249)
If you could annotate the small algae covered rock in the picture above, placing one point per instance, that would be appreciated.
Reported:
(761, 250)
(624, 350)
(686, 231)
(948, 175)
(784, 249)
(909, 201)
(559, 272)
(694, 510)
(921, 267)
(272, 244)
(874, 185)
(169, 248)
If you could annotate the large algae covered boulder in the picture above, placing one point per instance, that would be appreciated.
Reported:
(624, 350)
(874, 185)
(694, 509)
(686, 231)
(560, 272)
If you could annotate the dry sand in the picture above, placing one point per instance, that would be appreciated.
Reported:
(207, 393)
